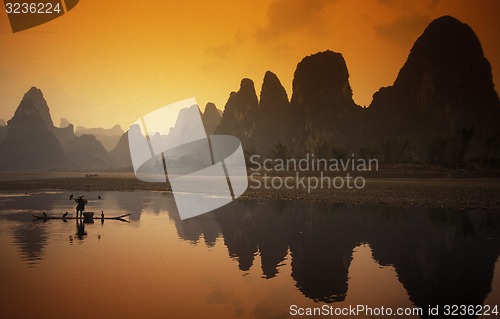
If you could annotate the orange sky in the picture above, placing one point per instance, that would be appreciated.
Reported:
(109, 62)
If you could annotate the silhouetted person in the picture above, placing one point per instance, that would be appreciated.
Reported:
(80, 207)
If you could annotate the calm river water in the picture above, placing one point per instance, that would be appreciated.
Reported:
(250, 259)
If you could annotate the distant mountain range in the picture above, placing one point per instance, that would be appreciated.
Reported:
(30, 141)
(442, 108)
(108, 137)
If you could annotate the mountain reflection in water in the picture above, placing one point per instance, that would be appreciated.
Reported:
(440, 257)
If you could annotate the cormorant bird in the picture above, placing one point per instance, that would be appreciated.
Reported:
(71, 197)
(44, 214)
(99, 197)
(65, 214)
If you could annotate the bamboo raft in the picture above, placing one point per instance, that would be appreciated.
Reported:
(46, 217)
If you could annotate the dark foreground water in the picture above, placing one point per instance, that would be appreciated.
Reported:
(250, 259)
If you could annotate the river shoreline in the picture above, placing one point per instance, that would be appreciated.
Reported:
(433, 192)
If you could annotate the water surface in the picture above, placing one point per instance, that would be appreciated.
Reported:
(250, 259)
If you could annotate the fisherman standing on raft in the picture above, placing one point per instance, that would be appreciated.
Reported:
(80, 205)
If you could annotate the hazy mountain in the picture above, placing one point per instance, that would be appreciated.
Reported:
(33, 103)
(86, 152)
(64, 135)
(64, 123)
(115, 130)
(211, 118)
(108, 137)
(30, 143)
(120, 154)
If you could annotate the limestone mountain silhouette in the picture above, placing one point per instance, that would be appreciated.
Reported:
(108, 137)
(211, 118)
(322, 103)
(442, 106)
(445, 86)
(240, 114)
(34, 104)
(274, 117)
(29, 142)
(32, 142)
(120, 154)
(86, 151)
